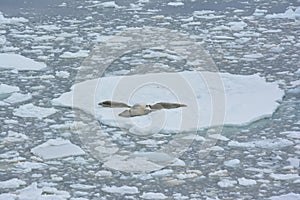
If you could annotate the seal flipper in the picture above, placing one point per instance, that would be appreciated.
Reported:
(164, 105)
(113, 104)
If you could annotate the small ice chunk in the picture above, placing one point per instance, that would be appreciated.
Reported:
(218, 137)
(33, 192)
(131, 164)
(162, 172)
(288, 14)
(265, 144)
(82, 186)
(109, 4)
(289, 196)
(219, 173)
(284, 177)
(120, 190)
(153, 195)
(232, 163)
(29, 166)
(15, 137)
(18, 98)
(11, 20)
(253, 56)
(246, 182)
(6, 89)
(12, 183)
(57, 148)
(176, 3)
(227, 183)
(78, 54)
(30, 110)
(18, 62)
(237, 26)
(62, 74)
(103, 174)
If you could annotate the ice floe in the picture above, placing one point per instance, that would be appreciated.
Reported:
(153, 195)
(232, 163)
(12, 20)
(78, 54)
(12, 183)
(57, 148)
(207, 94)
(288, 14)
(265, 144)
(289, 196)
(227, 183)
(176, 3)
(18, 98)
(19, 62)
(6, 89)
(33, 192)
(121, 190)
(30, 110)
(284, 177)
(109, 4)
(246, 182)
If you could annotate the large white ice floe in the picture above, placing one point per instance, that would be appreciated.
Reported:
(57, 148)
(19, 62)
(212, 99)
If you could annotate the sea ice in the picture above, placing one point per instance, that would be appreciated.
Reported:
(12, 183)
(153, 195)
(241, 99)
(62, 74)
(232, 163)
(288, 14)
(7, 89)
(33, 192)
(284, 177)
(78, 54)
(57, 148)
(246, 182)
(265, 144)
(227, 183)
(17, 98)
(18, 62)
(121, 190)
(30, 110)
(12, 20)
(178, 3)
(109, 4)
(289, 196)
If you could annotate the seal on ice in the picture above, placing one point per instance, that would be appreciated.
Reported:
(140, 109)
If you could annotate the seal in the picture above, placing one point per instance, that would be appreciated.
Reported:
(136, 110)
(140, 109)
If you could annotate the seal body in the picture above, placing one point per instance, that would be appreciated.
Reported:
(139, 109)
(136, 110)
